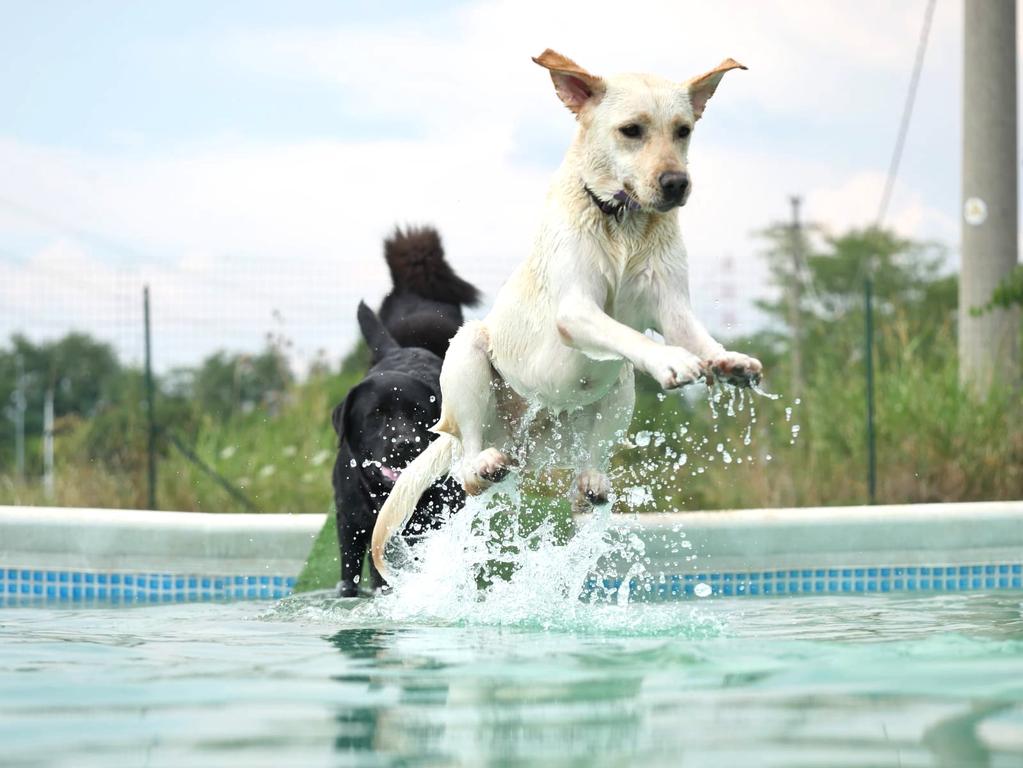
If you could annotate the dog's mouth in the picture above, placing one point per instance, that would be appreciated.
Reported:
(627, 200)
(390, 473)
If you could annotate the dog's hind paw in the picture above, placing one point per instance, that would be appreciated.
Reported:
(592, 488)
(491, 466)
(347, 589)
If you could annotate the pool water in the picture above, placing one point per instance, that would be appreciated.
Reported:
(317, 681)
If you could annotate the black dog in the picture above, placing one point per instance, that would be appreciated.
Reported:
(382, 425)
(383, 422)
(424, 309)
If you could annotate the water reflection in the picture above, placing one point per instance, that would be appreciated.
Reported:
(819, 690)
(428, 703)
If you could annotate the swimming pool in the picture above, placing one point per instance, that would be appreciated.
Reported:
(837, 637)
(876, 680)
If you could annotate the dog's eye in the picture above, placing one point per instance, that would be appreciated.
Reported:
(683, 131)
(631, 131)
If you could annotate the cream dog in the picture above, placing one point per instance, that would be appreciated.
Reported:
(547, 377)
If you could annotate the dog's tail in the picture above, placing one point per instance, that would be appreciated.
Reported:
(376, 335)
(428, 467)
(415, 257)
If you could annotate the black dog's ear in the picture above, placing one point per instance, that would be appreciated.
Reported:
(339, 417)
(376, 335)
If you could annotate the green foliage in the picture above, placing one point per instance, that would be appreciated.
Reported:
(270, 435)
(83, 374)
(225, 385)
(1008, 293)
(913, 302)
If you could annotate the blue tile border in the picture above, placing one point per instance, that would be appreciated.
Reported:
(979, 577)
(30, 586)
(33, 586)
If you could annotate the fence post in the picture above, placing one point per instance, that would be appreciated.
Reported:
(868, 307)
(150, 404)
(20, 404)
(48, 484)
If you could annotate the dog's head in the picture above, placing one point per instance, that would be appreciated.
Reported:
(385, 421)
(634, 130)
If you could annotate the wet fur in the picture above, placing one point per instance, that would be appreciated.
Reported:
(566, 332)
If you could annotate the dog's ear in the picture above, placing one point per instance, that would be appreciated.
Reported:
(702, 87)
(339, 417)
(575, 86)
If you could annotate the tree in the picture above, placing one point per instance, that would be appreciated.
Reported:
(912, 298)
(82, 372)
(226, 384)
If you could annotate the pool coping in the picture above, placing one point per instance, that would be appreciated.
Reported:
(72, 554)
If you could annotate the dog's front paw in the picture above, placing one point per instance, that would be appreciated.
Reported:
(735, 368)
(489, 467)
(674, 367)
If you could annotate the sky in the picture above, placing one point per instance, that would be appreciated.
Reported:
(246, 159)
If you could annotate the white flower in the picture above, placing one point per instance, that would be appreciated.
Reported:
(267, 471)
(319, 457)
(228, 451)
(290, 450)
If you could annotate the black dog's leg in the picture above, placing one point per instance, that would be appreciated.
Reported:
(376, 580)
(352, 541)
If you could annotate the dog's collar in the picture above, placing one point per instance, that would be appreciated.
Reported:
(617, 207)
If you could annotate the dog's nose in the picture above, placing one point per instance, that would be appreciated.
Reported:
(673, 184)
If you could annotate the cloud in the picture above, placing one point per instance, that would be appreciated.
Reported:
(229, 230)
(808, 58)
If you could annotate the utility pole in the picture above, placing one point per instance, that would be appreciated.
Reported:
(795, 318)
(48, 444)
(989, 342)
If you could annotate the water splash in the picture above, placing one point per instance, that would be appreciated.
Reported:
(482, 567)
(489, 566)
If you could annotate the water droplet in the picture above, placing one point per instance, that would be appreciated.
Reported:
(702, 590)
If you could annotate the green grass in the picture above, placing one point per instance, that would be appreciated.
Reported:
(322, 567)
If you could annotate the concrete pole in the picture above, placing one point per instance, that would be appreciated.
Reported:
(988, 343)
